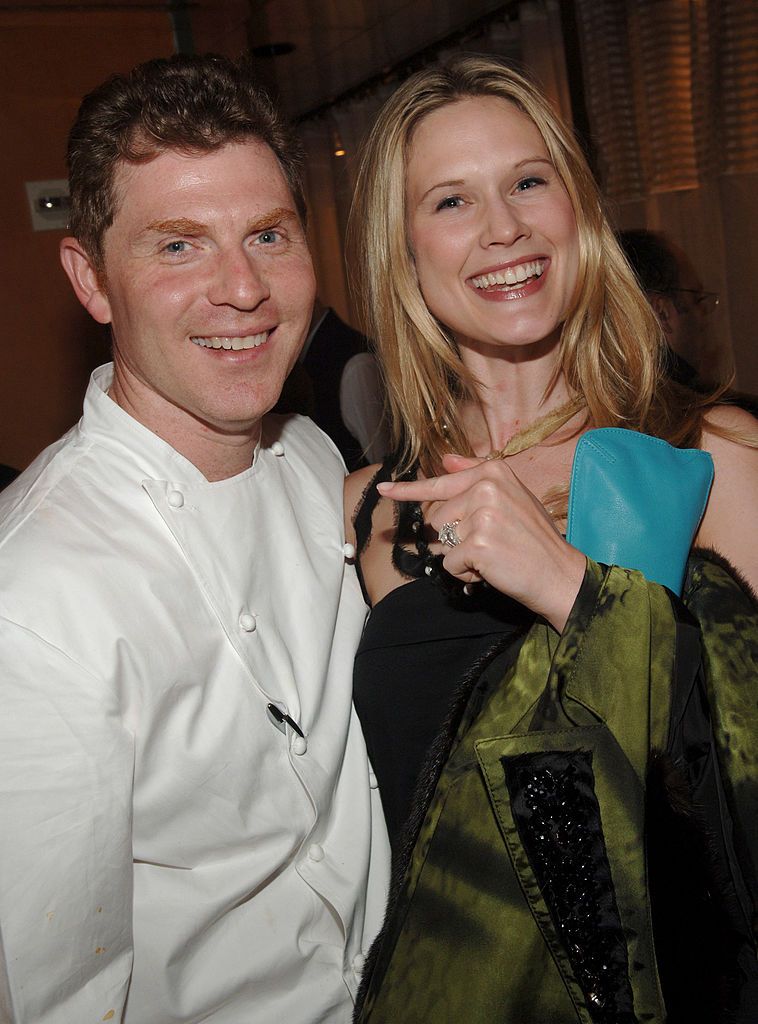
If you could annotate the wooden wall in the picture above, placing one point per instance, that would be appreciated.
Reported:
(49, 344)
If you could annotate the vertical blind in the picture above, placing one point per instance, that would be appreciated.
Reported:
(672, 91)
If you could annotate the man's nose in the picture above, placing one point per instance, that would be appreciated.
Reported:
(238, 281)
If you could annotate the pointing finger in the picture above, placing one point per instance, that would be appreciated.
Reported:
(435, 488)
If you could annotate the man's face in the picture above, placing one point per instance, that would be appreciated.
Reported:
(688, 321)
(208, 286)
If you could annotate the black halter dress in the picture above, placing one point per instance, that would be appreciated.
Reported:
(419, 644)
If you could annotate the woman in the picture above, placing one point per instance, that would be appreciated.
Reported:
(508, 323)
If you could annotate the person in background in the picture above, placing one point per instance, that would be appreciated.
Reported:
(677, 296)
(7, 473)
(189, 831)
(337, 383)
(527, 708)
(675, 292)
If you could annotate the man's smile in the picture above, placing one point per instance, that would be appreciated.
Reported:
(235, 343)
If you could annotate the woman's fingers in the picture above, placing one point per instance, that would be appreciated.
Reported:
(433, 488)
(462, 474)
(503, 534)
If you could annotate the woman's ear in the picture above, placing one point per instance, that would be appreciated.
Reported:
(85, 280)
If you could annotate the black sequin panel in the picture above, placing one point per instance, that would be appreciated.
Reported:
(558, 820)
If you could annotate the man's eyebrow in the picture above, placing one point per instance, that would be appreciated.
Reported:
(180, 226)
(271, 217)
(186, 226)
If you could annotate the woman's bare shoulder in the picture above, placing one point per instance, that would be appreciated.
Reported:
(732, 418)
(730, 435)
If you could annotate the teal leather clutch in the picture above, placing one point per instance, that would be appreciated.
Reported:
(636, 501)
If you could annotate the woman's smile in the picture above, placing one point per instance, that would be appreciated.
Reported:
(510, 281)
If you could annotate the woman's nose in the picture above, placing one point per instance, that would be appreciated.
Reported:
(502, 224)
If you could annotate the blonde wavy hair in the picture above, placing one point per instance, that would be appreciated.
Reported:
(611, 345)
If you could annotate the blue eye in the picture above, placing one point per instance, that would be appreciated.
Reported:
(176, 247)
(269, 237)
(528, 183)
(449, 203)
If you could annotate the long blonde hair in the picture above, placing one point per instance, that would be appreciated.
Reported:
(611, 346)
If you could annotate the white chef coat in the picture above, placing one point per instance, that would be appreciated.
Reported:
(167, 845)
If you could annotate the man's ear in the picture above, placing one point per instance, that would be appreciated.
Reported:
(662, 308)
(85, 280)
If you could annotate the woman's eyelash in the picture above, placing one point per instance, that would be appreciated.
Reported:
(526, 183)
(449, 203)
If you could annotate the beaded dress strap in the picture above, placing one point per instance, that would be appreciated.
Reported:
(364, 516)
(410, 552)
(364, 513)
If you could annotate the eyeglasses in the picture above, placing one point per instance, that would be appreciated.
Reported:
(705, 301)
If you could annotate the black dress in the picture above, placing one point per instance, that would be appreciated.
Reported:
(420, 642)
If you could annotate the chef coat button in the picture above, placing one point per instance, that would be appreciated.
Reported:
(315, 852)
(348, 550)
(372, 780)
(175, 499)
(247, 622)
(277, 448)
(299, 745)
(359, 962)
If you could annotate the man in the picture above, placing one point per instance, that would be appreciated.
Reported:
(337, 383)
(188, 824)
(676, 295)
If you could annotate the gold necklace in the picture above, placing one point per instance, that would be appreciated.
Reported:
(540, 430)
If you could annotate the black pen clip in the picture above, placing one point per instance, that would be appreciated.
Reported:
(281, 717)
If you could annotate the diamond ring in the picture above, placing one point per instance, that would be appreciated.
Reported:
(449, 535)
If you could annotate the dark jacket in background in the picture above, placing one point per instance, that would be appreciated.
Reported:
(7, 473)
(313, 386)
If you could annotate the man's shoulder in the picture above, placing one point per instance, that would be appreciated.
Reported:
(34, 486)
(310, 465)
(59, 503)
(301, 438)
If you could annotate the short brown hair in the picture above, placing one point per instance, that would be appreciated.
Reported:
(186, 103)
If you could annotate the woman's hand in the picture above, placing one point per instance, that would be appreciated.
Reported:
(506, 536)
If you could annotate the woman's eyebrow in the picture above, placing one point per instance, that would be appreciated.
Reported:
(443, 184)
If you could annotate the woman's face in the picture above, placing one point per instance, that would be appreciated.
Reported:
(492, 228)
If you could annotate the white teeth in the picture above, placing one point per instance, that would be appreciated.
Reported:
(510, 275)
(235, 344)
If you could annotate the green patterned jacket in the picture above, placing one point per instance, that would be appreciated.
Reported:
(583, 773)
